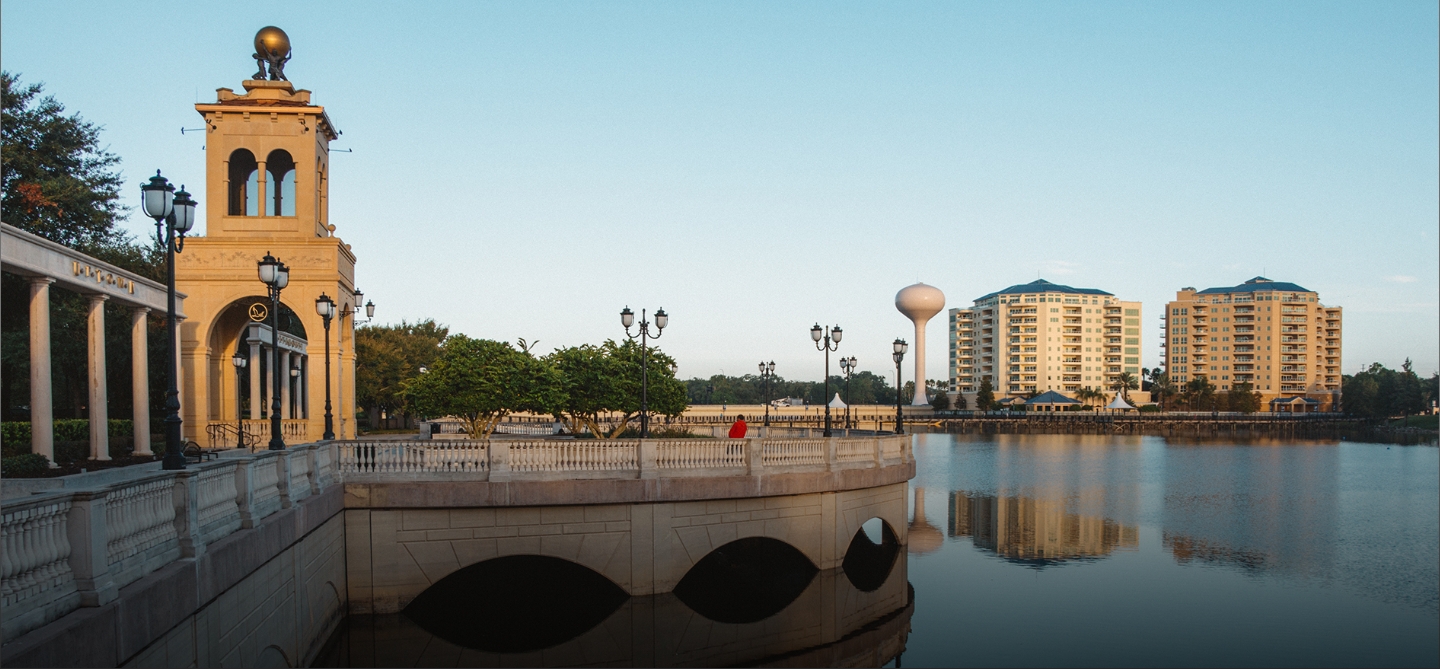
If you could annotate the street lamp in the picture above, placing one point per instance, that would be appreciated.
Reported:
(767, 372)
(240, 360)
(627, 318)
(824, 338)
(326, 308)
(847, 365)
(174, 214)
(900, 347)
(275, 275)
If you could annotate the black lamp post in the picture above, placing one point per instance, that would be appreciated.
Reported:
(275, 275)
(174, 215)
(241, 361)
(827, 340)
(326, 308)
(847, 365)
(767, 372)
(627, 318)
(900, 348)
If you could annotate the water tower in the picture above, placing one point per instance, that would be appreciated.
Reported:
(919, 303)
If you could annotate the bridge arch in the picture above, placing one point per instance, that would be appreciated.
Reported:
(868, 561)
(746, 580)
(516, 604)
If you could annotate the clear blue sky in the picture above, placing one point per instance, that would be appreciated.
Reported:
(527, 169)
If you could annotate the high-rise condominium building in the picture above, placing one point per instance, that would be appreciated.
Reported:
(1275, 336)
(1042, 336)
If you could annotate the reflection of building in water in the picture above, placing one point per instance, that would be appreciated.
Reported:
(1035, 531)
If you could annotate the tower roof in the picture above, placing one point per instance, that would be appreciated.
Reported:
(1043, 286)
(1258, 284)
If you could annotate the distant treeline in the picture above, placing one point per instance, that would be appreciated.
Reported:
(865, 388)
(1381, 392)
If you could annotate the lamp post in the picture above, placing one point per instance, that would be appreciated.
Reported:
(627, 318)
(174, 214)
(767, 372)
(847, 365)
(240, 361)
(899, 347)
(827, 340)
(275, 275)
(326, 308)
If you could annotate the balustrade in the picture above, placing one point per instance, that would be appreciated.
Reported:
(62, 551)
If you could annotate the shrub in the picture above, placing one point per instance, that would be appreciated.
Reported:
(28, 465)
(15, 435)
(1149, 408)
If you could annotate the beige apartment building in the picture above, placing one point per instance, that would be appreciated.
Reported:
(1041, 336)
(1276, 336)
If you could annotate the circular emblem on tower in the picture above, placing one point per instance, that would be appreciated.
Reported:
(258, 312)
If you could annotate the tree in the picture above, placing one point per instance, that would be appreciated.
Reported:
(960, 402)
(592, 382)
(1124, 383)
(58, 182)
(1243, 398)
(1160, 387)
(667, 396)
(1088, 395)
(389, 355)
(1380, 392)
(1200, 394)
(482, 381)
(940, 401)
(985, 399)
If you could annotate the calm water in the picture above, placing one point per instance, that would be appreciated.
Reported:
(1024, 550)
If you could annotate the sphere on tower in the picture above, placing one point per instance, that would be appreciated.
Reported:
(919, 303)
(272, 49)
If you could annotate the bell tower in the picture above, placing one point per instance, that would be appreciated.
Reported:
(267, 173)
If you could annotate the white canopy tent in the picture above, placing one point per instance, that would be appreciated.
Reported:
(837, 403)
(1119, 403)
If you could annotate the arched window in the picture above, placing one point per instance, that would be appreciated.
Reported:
(282, 184)
(244, 184)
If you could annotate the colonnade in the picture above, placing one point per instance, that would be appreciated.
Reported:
(294, 389)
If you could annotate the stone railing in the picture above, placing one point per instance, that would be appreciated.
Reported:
(71, 548)
(521, 459)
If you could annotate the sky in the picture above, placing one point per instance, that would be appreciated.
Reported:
(529, 169)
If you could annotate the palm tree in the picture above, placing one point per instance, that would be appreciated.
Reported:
(1160, 388)
(1124, 383)
(1089, 394)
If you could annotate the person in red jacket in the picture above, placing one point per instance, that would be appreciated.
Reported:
(737, 431)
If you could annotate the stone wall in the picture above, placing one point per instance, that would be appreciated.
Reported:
(280, 615)
(395, 554)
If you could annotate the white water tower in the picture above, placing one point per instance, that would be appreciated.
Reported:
(919, 303)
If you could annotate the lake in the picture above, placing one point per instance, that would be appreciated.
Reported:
(1025, 550)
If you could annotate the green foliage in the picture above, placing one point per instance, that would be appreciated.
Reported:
(985, 399)
(1380, 392)
(1148, 408)
(1243, 398)
(28, 465)
(865, 388)
(60, 183)
(1124, 383)
(483, 381)
(388, 356)
(940, 400)
(1160, 387)
(16, 434)
(961, 403)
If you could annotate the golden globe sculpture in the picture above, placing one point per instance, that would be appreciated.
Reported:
(272, 48)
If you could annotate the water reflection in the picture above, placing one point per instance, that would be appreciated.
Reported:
(924, 537)
(829, 621)
(1035, 532)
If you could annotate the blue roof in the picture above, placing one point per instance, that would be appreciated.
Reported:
(1259, 284)
(1051, 397)
(1043, 286)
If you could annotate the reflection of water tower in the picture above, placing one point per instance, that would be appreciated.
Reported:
(924, 537)
(919, 303)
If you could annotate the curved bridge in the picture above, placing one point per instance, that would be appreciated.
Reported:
(641, 513)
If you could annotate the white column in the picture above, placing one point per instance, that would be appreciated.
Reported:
(305, 387)
(920, 399)
(99, 417)
(140, 378)
(263, 208)
(255, 381)
(284, 372)
(42, 413)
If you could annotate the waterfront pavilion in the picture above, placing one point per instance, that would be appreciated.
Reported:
(43, 263)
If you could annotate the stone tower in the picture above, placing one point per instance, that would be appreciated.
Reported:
(267, 169)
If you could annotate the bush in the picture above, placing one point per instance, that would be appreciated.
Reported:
(15, 435)
(1150, 408)
(28, 465)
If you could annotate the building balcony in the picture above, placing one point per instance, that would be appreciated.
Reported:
(1292, 368)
